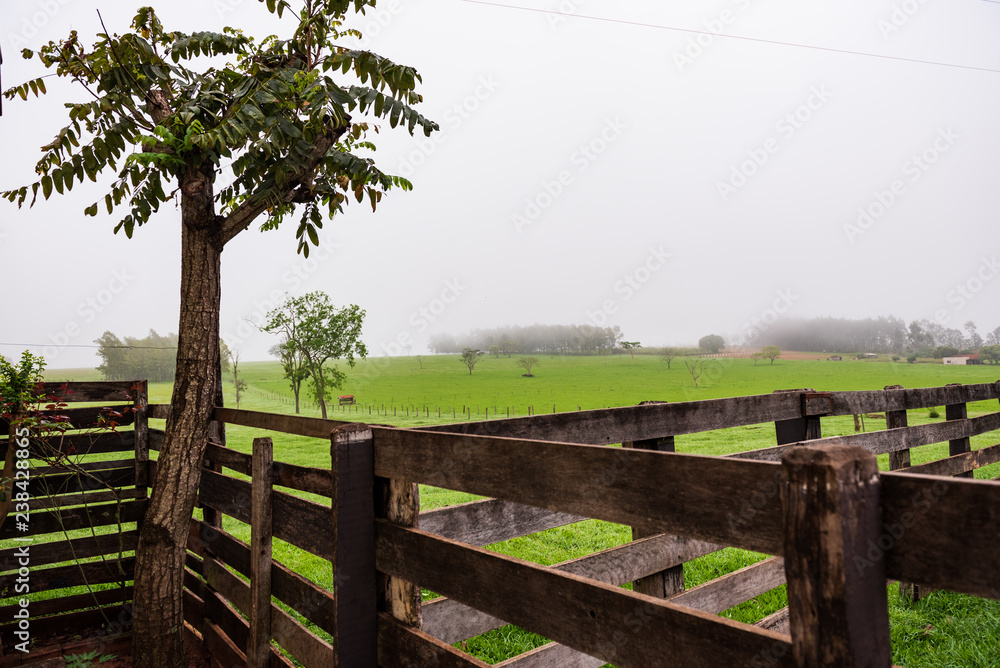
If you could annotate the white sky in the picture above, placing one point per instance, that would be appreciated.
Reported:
(584, 173)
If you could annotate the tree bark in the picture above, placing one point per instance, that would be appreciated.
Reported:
(158, 610)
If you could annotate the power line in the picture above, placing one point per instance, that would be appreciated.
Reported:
(748, 39)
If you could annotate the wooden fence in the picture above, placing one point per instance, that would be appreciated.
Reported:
(85, 497)
(548, 471)
(836, 527)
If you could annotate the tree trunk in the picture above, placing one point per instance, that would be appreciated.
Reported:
(321, 387)
(158, 611)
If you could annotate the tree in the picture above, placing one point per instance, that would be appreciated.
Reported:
(993, 338)
(294, 366)
(771, 352)
(508, 347)
(630, 346)
(973, 339)
(470, 357)
(990, 354)
(495, 350)
(696, 368)
(712, 343)
(18, 391)
(266, 134)
(319, 332)
(668, 355)
(527, 363)
(239, 385)
(420, 361)
(945, 351)
(755, 357)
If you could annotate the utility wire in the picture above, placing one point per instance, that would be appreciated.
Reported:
(748, 39)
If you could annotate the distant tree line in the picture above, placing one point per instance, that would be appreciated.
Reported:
(926, 338)
(153, 358)
(515, 339)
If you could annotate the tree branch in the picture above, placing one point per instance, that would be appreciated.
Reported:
(293, 192)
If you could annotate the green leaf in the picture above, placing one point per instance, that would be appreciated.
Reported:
(289, 128)
(46, 186)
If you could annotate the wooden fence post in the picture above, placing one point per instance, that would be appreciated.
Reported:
(141, 417)
(795, 430)
(959, 445)
(834, 565)
(398, 501)
(670, 581)
(353, 557)
(262, 481)
(899, 459)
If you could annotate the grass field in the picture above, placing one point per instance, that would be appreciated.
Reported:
(945, 629)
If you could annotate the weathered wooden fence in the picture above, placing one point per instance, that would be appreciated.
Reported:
(84, 497)
(545, 471)
(836, 527)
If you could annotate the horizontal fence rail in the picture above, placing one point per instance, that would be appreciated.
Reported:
(691, 495)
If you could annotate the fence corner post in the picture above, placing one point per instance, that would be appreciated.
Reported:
(353, 547)
(837, 599)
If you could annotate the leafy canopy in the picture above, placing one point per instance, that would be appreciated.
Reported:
(273, 119)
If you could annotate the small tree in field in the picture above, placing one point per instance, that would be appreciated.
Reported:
(668, 355)
(630, 346)
(294, 366)
(756, 357)
(990, 354)
(527, 363)
(771, 352)
(470, 357)
(696, 368)
(321, 333)
(239, 384)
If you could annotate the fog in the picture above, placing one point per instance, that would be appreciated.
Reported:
(602, 163)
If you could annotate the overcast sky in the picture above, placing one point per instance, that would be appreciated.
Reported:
(608, 164)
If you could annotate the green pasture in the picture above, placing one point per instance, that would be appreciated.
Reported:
(944, 629)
